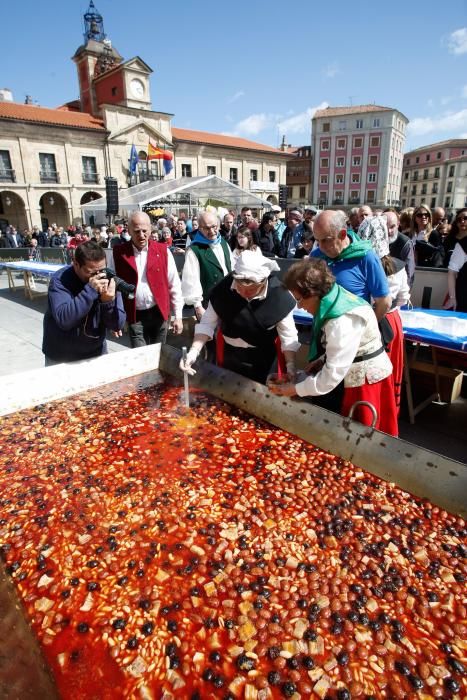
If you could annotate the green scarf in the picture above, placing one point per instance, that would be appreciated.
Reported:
(356, 249)
(334, 304)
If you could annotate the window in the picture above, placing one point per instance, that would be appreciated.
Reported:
(114, 91)
(254, 175)
(358, 142)
(436, 172)
(325, 145)
(338, 197)
(323, 180)
(412, 202)
(211, 169)
(89, 169)
(404, 189)
(425, 174)
(447, 202)
(342, 124)
(404, 201)
(451, 171)
(370, 196)
(424, 188)
(356, 177)
(302, 194)
(415, 175)
(339, 179)
(407, 162)
(438, 155)
(376, 122)
(6, 173)
(357, 161)
(327, 126)
(325, 162)
(289, 192)
(323, 198)
(374, 142)
(359, 124)
(233, 177)
(372, 160)
(340, 162)
(427, 157)
(48, 169)
(272, 176)
(414, 189)
(354, 196)
(406, 176)
(371, 177)
(417, 160)
(449, 187)
(433, 202)
(434, 189)
(340, 144)
(186, 170)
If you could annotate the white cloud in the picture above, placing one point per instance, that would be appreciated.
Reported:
(464, 91)
(331, 70)
(451, 121)
(457, 41)
(300, 123)
(430, 103)
(236, 96)
(252, 125)
(446, 100)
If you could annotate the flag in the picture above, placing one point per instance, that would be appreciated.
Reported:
(168, 164)
(133, 159)
(154, 152)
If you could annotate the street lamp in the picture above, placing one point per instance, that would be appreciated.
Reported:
(51, 201)
(7, 201)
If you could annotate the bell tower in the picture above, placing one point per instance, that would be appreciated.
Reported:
(93, 58)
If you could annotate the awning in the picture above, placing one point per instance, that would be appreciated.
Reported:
(184, 191)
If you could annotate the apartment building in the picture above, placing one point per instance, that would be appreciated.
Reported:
(299, 177)
(436, 175)
(357, 155)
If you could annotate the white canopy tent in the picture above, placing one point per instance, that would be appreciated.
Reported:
(184, 192)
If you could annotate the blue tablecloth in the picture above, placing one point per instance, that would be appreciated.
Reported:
(421, 335)
(37, 268)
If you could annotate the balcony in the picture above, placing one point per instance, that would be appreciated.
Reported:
(49, 176)
(7, 175)
(322, 202)
(90, 178)
(138, 178)
(354, 200)
(338, 200)
(263, 186)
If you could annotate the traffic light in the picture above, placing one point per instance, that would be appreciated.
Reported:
(283, 196)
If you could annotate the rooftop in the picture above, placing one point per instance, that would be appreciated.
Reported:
(451, 143)
(354, 109)
(205, 137)
(44, 115)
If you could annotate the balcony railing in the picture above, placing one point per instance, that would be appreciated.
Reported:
(49, 176)
(322, 202)
(137, 178)
(7, 175)
(338, 200)
(354, 200)
(91, 178)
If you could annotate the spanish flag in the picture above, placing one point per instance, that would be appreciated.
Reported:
(154, 152)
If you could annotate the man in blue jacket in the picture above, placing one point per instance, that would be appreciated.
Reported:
(82, 305)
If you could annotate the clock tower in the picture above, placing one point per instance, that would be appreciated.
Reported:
(104, 78)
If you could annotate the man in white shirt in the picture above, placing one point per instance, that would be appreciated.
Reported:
(151, 268)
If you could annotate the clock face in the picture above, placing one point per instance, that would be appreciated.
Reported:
(137, 88)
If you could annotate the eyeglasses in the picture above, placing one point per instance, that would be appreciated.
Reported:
(422, 213)
(461, 219)
(248, 283)
(208, 228)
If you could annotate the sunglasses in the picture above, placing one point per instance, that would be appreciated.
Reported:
(460, 219)
(422, 213)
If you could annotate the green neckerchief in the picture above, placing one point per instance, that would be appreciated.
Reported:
(356, 249)
(334, 304)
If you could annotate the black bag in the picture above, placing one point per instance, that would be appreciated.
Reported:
(387, 334)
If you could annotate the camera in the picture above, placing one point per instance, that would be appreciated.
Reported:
(125, 288)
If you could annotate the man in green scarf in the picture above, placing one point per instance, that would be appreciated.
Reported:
(353, 262)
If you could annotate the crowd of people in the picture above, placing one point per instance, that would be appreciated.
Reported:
(352, 272)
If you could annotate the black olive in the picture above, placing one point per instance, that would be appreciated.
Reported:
(132, 643)
(207, 674)
(456, 665)
(172, 626)
(274, 652)
(307, 662)
(245, 663)
(288, 689)
(215, 657)
(93, 586)
(276, 618)
(92, 563)
(122, 581)
(310, 635)
(144, 604)
(343, 694)
(65, 593)
(119, 623)
(342, 658)
(274, 677)
(451, 684)
(228, 624)
(293, 663)
(147, 628)
(82, 627)
(402, 668)
(218, 681)
(415, 681)
(446, 647)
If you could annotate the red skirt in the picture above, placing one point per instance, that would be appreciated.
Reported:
(381, 396)
(396, 354)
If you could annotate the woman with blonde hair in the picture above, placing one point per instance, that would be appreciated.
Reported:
(426, 255)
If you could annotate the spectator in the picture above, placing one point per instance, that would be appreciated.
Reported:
(405, 222)
(228, 230)
(353, 262)
(354, 220)
(150, 266)
(346, 355)
(82, 305)
(400, 246)
(245, 242)
(293, 234)
(426, 255)
(14, 238)
(208, 259)
(166, 236)
(307, 245)
(180, 235)
(252, 309)
(268, 241)
(280, 225)
(457, 270)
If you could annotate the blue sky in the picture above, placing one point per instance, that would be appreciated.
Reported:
(259, 68)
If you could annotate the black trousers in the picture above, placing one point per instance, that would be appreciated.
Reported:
(149, 328)
(253, 363)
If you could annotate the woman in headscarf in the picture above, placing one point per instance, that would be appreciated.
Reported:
(346, 355)
(252, 309)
